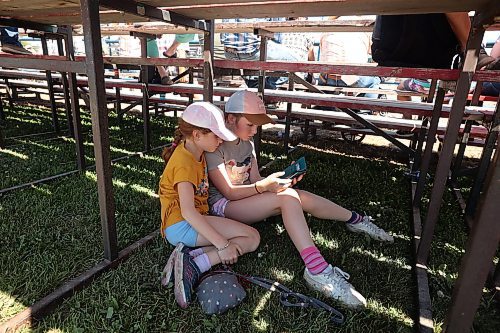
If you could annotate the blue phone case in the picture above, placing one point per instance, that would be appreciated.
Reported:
(296, 169)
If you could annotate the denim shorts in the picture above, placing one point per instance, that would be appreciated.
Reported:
(181, 232)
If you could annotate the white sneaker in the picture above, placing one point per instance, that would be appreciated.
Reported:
(368, 227)
(334, 284)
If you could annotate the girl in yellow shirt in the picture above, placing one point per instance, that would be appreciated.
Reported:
(184, 204)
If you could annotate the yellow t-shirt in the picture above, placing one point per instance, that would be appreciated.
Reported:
(182, 167)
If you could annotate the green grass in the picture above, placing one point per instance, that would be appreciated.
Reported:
(52, 232)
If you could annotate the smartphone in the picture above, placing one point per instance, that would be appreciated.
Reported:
(295, 169)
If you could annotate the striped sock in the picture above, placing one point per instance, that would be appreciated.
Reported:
(196, 252)
(314, 261)
(355, 218)
(203, 262)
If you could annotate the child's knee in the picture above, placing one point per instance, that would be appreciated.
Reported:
(254, 239)
(289, 194)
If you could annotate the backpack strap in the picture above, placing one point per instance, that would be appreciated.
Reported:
(288, 297)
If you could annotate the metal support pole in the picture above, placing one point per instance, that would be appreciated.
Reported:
(208, 56)
(479, 252)
(8, 90)
(429, 145)
(100, 127)
(2, 112)
(191, 81)
(75, 104)
(67, 100)
(457, 163)
(118, 100)
(444, 163)
(145, 96)
(288, 118)
(484, 162)
(261, 89)
(50, 85)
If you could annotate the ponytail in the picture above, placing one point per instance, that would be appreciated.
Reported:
(168, 151)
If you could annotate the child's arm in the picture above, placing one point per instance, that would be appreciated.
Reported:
(220, 179)
(194, 218)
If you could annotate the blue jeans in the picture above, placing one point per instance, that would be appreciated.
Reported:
(490, 89)
(275, 51)
(362, 82)
(10, 35)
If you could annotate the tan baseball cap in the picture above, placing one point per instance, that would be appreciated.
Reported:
(250, 105)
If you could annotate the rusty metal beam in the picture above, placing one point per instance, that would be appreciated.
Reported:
(450, 139)
(155, 13)
(479, 252)
(100, 127)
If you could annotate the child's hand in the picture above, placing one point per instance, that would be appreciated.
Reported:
(273, 183)
(296, 180)
(230, 254)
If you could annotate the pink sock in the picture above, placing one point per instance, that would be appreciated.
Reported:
(314, 261)
(196, 252)
(203, 262)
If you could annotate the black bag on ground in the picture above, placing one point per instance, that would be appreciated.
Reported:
(424, 40)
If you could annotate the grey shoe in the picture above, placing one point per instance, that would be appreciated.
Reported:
(334, 284)
(366, 226)
(14, 49)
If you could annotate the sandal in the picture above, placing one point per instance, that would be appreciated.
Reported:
(167, 56)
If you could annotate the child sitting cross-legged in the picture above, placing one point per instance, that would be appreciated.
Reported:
(184, 204)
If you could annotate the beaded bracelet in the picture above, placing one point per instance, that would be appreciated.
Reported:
(224, 247)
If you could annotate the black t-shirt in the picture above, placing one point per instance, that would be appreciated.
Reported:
(423, 40)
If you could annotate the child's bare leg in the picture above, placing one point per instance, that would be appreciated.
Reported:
(323, 208)
(318, 273)
(259, 207)
(245, 236)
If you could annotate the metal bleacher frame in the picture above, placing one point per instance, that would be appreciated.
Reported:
(485, 230)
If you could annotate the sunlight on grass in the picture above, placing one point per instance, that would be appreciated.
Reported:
(15, 154)
(390, 312)
(396, 262)
(283, 276)
(9, 306)
(319, 239)
(144, 190)
(44, 190)
(261, 325)
(455, 249)
(262, 303)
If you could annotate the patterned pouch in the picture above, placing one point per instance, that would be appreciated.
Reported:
(219, 292)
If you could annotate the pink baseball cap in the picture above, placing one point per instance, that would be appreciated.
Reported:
(250, 105)
(207, 115)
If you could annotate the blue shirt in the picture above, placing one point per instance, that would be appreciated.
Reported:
(245, 43)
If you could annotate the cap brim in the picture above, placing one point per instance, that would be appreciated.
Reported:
(259, 119)
(224, 134)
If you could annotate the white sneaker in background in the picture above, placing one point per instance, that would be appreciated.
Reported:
(332, 282)
(366, 226)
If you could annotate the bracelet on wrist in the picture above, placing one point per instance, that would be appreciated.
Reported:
(224, 247)
(256, 188)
